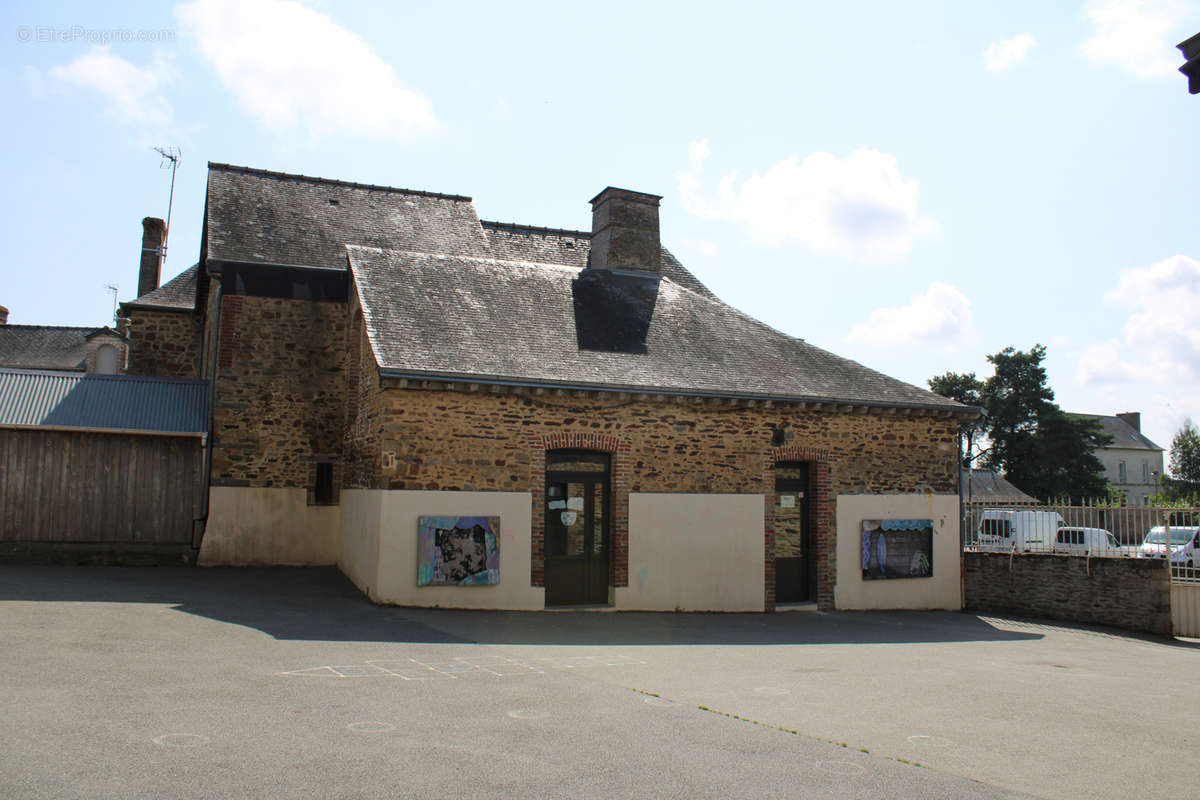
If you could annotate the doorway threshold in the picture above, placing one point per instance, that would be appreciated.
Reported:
(809, 605)
(584, 607)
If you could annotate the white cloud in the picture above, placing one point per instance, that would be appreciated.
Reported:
(293, 67)
(939, 318)
(1006, 54)
(859, 207)
(1138, 36)
(134, 94)
(1161, 335)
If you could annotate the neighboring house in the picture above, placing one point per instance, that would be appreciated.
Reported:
(989, 486)
(54, 347)
(1132, 463)
(479, 414)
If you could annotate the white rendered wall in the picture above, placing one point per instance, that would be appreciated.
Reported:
(397, 549)
(358, 548)
(943, 590)
(696, 552)
(255, 526)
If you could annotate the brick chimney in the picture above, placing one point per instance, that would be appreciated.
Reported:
(3, 315)
(1133, 419)
(625, 231)
(154, 230)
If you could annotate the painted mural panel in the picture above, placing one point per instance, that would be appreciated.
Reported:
(458, 551)
(897, 548)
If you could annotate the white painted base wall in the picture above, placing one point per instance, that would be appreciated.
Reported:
(378, 550)
(265, 527)
(695, 552)
(943, 590)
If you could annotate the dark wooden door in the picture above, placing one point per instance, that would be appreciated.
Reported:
(577, 532)
(795, 566)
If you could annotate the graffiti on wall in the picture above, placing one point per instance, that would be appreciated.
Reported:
(458, 551)
(897, 548)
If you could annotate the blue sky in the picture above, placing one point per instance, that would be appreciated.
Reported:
(911, 185)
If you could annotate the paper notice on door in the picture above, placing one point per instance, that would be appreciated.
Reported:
(575, 503)
(555, 505)
(787, 500)
(569, 517)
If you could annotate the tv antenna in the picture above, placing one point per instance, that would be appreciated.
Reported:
(170, 158)
(113, 289)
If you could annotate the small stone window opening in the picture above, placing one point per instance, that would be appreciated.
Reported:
(323, 494)
(1121, 473)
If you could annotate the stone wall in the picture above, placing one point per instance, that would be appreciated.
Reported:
(163, 343)
(279, 398)
(478, 440)
(363, 427)
(1130, 593)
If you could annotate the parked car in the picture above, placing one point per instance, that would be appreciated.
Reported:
(1188, 555)
(1155, 543)
(1006, 529)
(1086, 541)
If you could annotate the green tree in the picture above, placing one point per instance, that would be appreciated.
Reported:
(968, 390)
(1033, 443)
(1185, 454)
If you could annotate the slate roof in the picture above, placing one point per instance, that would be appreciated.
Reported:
(447, 295)
(986, 485)
(44, 346)
(177, 294)
(456, 316)
(1124, 436)
(45, 399)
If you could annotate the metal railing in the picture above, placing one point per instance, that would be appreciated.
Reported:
(1098, 530)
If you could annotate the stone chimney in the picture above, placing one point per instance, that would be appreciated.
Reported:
(1133, 419)
(154, 230)
(625, 232)
(3, 315)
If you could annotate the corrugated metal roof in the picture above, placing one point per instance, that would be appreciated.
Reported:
(120, 402)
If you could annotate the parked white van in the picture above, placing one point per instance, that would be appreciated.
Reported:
(1086, 541)
(1006, 529)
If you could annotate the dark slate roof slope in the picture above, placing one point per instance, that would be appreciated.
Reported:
(42, 399)
(273, 218)
(1124, 436)
(177, 294)
(987, 484)
(43, 346)
(511, 242)
(463, 317)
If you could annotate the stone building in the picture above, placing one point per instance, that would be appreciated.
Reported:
(478, 414)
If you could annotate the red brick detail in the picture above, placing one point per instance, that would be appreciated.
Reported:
(227, 339)
(821, 516)
(620, 450)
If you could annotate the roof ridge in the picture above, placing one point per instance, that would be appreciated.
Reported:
(535, 228)
(55, 327)
(333, 182)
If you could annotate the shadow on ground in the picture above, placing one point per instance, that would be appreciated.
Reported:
(320, 604)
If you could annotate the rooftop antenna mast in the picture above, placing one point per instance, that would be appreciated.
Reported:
(170, 157)
(113, 289)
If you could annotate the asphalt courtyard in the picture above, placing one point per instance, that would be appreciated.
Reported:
(216, 683)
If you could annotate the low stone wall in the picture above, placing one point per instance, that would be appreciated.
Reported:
(1130, 593)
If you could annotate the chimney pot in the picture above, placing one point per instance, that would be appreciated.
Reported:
(625, 231)
(154, 231)
(3, 315)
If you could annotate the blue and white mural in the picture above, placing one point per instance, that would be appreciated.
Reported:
(897, 548)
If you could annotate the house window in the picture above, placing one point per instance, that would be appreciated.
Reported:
(1145, 472)
(106, 360)
(1121, 478)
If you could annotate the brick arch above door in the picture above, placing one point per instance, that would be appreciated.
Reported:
(603, 443)
(822, 519)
